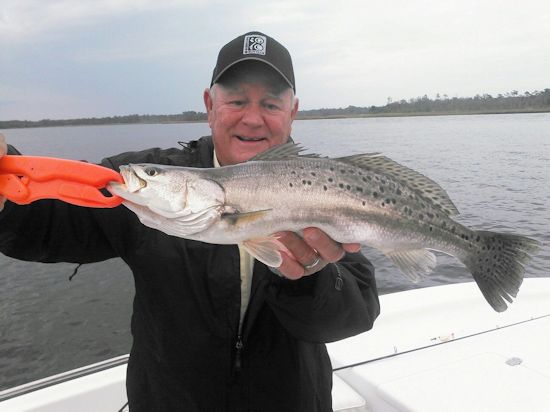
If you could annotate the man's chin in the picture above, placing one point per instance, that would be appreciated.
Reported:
(244, 150)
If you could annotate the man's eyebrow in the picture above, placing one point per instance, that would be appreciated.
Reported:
(277, 96)
(234, 91)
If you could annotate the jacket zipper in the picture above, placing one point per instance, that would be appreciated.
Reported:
(238, 350)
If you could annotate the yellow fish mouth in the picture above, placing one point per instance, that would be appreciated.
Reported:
(133, 182)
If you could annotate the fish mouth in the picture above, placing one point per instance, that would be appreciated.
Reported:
(132, 182)
(129, 190)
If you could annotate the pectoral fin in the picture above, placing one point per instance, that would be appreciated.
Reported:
(238, 218)
(415, 264)
(266, 249)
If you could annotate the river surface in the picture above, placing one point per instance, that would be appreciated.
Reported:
(496, 169)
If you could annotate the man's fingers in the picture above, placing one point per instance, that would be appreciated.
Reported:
(3, 145)
(327, 248)
(311, 253)
(290, 268)
(352, 247)
(302, 252)
(3, 151)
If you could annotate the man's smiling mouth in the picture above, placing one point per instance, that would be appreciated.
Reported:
(250, 139)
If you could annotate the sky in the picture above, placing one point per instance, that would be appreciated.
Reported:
(62, 59)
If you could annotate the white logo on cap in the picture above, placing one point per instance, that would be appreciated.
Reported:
(254, 44)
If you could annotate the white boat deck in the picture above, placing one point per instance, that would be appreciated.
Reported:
(432, 349)
(444, 348)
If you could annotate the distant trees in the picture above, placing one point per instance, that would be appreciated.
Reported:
(189, 116)
(509, 102)
(537, 100)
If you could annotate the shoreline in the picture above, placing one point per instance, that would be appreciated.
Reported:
(298, 117)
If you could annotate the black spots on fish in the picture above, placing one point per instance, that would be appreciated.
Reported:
(464, 237)
(430, 215)
(342, 171)
(359, 189)
(477, 238)
(325, 188)
(375, 194)
(364, 203)
(304, 181)
(397, 192)
(381, 189)
(290, 184)
(330, 179)
(348, 187)
(293, 172)
(341, 185)
(313, 174)
(420, 216)
(331, 169)
(453, 229)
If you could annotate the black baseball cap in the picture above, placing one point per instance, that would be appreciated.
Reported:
(255, 46)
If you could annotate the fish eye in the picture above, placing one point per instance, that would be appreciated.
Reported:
(151, 171)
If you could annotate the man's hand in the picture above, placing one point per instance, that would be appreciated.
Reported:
(311, 253)
(3, 151)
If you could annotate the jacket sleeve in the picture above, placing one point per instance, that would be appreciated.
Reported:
(338, 302)
(53, 231)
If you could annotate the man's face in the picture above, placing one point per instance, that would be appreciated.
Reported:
(247, 119)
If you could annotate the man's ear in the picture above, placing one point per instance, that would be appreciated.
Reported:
(208, 103)
(207, 100)
(294, 109)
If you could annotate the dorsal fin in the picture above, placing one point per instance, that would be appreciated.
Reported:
(281, 152)
(422, 185)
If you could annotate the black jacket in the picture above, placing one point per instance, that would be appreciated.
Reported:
(187, 304)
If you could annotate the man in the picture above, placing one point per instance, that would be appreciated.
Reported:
(213, 330)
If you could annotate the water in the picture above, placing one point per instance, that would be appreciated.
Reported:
(496, 169)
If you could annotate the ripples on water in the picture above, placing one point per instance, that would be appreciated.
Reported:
(494, 167)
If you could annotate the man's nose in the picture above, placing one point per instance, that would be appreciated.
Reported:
(252, 116)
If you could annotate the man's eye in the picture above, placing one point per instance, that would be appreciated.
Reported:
(237, 102)
(271, 106)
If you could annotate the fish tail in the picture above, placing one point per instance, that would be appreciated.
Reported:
(497, 265)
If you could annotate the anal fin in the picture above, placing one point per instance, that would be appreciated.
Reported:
(415, 264)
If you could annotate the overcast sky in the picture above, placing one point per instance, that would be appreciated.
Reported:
(91, 58)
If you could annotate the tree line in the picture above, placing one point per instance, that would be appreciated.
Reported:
(509, 102)
(189, 116)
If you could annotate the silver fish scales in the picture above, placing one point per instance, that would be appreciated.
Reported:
(364, 198)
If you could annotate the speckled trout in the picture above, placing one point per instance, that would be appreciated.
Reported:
(366, 198)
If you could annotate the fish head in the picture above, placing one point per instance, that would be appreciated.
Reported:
(169, 191)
